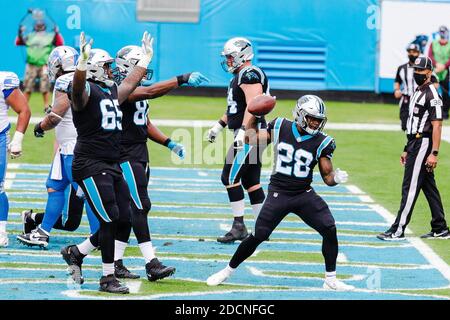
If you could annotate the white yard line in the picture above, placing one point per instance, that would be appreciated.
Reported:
(420, 245)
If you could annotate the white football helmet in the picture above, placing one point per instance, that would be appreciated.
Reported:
(126, 60)
(62, 59)
(311, 106)
(95, 71)
(240, 50)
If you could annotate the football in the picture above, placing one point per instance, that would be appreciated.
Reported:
(261, 105)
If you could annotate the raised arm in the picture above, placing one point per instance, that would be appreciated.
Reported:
(80, 88)
(132, 80)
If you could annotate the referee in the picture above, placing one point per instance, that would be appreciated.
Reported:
(420, 156)
(404, 84)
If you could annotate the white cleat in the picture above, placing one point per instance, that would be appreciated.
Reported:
(3, 239)
(337, 285)
(219, 277)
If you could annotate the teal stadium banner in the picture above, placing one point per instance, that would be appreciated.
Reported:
(302, 44)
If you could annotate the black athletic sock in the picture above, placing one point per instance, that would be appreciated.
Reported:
(123, 231)
(38, 218)
(140, 225)
(245, 250)
(106, 240)
(256, 196)
(330, 248)
(239, 219)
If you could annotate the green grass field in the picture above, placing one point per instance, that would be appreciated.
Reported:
(371, 158)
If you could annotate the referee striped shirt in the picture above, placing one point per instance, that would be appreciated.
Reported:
(405, 77)
(425, 106)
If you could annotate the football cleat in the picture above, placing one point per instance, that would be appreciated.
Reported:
(219, 277)
(36, 237)
(156, 270)
(391, 236)
(437, 235)
(74, 260)
(121, 272)
(28, 223)
(4, 239)
(337, 285)
(112, 285)
(238, 232)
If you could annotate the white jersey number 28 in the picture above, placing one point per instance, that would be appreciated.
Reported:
(301, 160)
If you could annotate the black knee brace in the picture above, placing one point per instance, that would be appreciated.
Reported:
(257, 196)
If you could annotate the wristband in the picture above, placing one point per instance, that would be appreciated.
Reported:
(222, 123)
(166, 143)
(18, 138)
(435, 152)
(182, 79)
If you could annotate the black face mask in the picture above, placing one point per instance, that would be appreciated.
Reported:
(420, 78)
(412, 58)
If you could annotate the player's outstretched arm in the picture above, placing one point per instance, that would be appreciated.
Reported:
(161, 88)
(156, 90)
(80, 88)
(157, 136)
(133, 79)
(258, 137)
(19, 104)
(331, 177)
(60, 106)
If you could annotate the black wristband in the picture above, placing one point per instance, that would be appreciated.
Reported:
(435, 153)
(184, 78)
(166, 143)
(222, 123)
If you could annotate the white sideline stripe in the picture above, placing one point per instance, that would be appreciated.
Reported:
(354, 189)
(423, 248)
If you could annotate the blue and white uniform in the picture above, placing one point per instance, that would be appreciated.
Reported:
(8, 83)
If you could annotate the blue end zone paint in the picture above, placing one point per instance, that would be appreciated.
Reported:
(164, 179)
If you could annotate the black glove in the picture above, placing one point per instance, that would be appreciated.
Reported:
(38, 132)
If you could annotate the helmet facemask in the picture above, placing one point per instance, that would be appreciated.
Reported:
(96, 71)
(238, 50)
(127, 58)
(301, 115)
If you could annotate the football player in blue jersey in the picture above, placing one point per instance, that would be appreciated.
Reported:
(10, 96)
(299, 146)
(65, 202)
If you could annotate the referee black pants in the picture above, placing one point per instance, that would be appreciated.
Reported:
(417, 178)
(404, 110)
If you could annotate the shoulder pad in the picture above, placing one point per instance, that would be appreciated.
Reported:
(63, 82)
(9, 80)
(251, 75)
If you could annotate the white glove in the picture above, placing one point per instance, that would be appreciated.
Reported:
(147, 48)
(15, 147)
(340, 176)
(85, 51)
(214, 131)
(239, 140)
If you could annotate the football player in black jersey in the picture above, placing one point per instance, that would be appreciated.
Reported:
(96, 165)
(298, 146)
(242, 167)
(136, 129)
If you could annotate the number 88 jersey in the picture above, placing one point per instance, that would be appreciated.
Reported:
(295, 156)
(134, 131)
